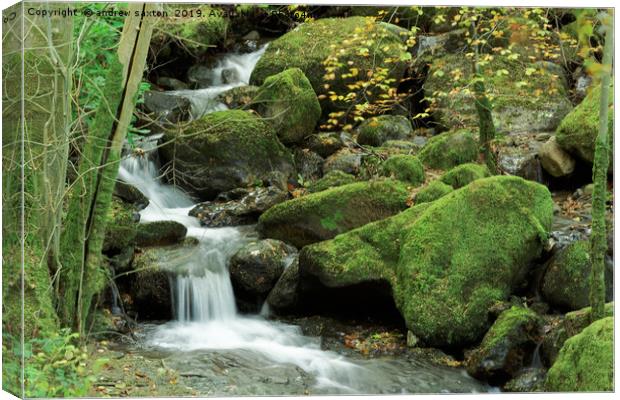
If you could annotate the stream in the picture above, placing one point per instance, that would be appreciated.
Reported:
(222, 352)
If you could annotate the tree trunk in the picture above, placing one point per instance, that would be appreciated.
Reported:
(599, 195)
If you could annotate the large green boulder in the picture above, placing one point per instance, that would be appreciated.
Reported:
(405, 168)
(464, 174)
(449, 149)
(521, 103)
(309, 45)
(447, 261)
(288, 101)
(578, 130)
(507, 347)
(586, 361)
(323, 215)
(225, 150)
(376, 130)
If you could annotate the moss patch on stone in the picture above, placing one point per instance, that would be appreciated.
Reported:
(578, 130)
(404, 168)
(585, 363)
(288, 102)
(464, 174)
(323, 215)
(432, 192)
(449, 149)
(376, 130)
(121, 228)
(331, 179)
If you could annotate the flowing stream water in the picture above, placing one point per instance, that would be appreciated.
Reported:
(207, 327)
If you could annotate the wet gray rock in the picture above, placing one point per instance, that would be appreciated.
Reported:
(130, 194)
(171, 83)
(167, 107)
(200, 75)
(229, 75)
(160, 233)
(284, 295)
(238, 207)
(519, 157)
(345, 161)
(257, 266)
(528, 380)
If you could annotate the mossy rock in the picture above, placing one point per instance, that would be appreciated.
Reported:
(449, 149)
(464, 174)
(376, 130)
(310, 44)
(566, 283)
(507, 347)
(444, 275)
(570, 325)
(432, 192)
(331, 179)
(404, 168)
(121, 227)
(160, 233)
(225, 150)
(538, 106)
(586, 361)
(325, 143)
(578, 130)
(323, 215)
(239, 97)
(289, 103)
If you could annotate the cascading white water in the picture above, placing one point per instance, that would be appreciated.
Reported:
(240, 65)
(203, 298)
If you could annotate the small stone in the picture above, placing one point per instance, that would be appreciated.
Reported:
(555, 160)
(412, 340)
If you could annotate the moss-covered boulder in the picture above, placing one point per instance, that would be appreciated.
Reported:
(450, 149)
(323, 215)
(225, 150)
(507, 347)
(288, 101)
(432, 192)
(404, 168)
(160, 233)
(344, 160)
(578, 130)
(311, 43)
(447, 261)
(566, 283)
(376, 130)
(464, 174)
(331, 179)
(121, 227)
(586, 361)
(521, 103)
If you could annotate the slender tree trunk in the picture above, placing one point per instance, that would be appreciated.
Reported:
(599, 196)
(484, 109)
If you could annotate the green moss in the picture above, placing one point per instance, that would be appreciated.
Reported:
(376, 130)
(432, 192)
(464, 174)
(404, 168)
(578, 130)
(311, 43)
(288, 101)
(508, 323)
(194, 34)
(331, 179)
(445, 274)
(323, 215)
(449, 149)
(585, 363)
(121, 227)
(225, 150)
(160, 233)
(539, 105)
